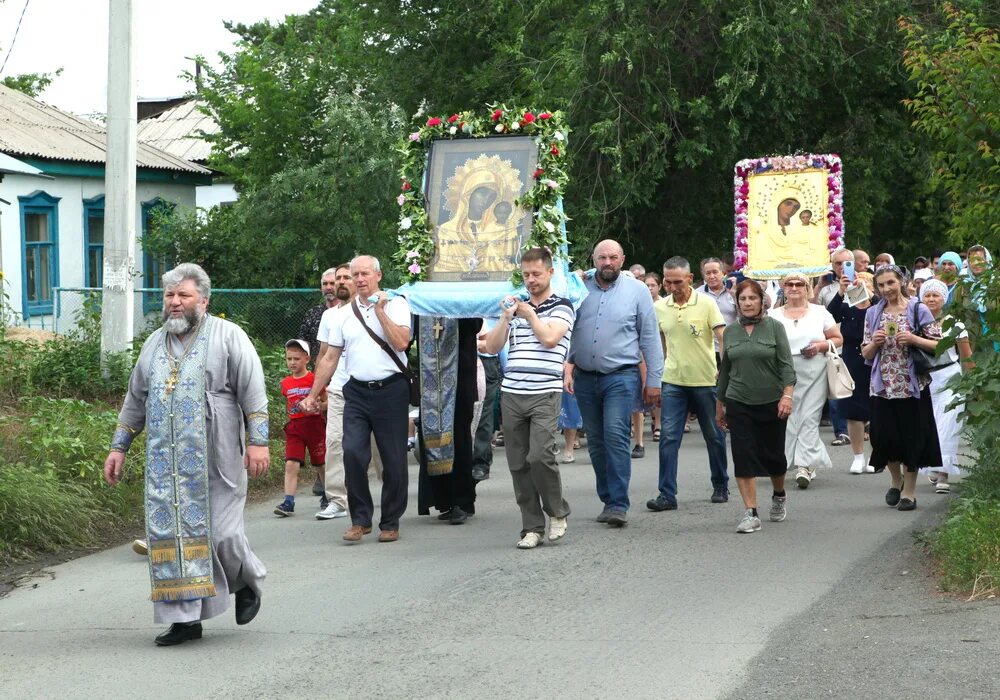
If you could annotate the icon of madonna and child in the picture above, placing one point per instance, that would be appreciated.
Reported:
(473, 187)
(787, 225)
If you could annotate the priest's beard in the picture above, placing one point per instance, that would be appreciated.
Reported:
(179, 325)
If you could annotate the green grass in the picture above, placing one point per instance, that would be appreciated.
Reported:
(967, 546)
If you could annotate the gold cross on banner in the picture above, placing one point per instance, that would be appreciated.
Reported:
(437, 328)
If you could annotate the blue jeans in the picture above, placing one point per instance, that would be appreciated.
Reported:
(605, 403)
(837, 418)
(677, 402)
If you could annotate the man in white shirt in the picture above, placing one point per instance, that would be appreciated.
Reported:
(376, 397)
(334, 502)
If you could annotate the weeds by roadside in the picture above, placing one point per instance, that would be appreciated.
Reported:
(967, 545)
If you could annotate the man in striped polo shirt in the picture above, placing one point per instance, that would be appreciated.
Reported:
(538, 332)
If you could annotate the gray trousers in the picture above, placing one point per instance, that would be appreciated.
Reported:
(530, 427)
(482, 449)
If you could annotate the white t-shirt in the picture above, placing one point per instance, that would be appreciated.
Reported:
(326, 322)
(801, 332)
(366, 361)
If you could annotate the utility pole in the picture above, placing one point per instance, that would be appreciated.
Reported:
(118, 303)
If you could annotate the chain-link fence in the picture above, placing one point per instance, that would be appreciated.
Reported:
(269, 316)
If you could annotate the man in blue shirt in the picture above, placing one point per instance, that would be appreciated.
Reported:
(615, 329)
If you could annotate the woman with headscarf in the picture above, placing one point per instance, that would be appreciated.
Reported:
(979, 261)
(948, 271)
(903, 431)
(810, 329)
(883, 259)
(754, 400)
(948, 420)
(857, 408)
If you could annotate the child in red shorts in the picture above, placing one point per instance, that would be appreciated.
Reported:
(304, 431)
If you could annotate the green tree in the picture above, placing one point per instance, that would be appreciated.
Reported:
(31, 84)
(307, 215)
(663, 97)
(957, 104)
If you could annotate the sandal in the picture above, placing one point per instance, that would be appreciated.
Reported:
(656, 434)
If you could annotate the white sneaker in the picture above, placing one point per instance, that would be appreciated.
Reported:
(330, 512)
(139, 547)
(749, 523)
(858, 465)
(529, 541)
(941, 486)
(803, 477)
(557, 528)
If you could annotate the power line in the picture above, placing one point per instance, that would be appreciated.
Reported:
(12, 41)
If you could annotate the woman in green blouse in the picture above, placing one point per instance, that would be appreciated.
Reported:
(756, 380)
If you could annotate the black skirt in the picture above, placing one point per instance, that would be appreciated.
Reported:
(757, 439)
(903, 430)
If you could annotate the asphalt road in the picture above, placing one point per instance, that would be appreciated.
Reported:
(676, 605)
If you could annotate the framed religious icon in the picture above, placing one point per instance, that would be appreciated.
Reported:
(476, 217)
(477, 189)
(789, 215)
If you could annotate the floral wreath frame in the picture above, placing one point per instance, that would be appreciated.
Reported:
(754, 166)
(548, 230)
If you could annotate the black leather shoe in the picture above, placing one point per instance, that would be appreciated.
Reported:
(179, 633)
(480, 474)
(907, 504)
(457, 516)
(446, 515)
(720, 495)
(660, 503)
(892, 497)
(247, 605)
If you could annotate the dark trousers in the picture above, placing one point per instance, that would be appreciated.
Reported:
(482, 450)
(383, 412)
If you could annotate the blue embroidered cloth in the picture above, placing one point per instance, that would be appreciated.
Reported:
(482, 299)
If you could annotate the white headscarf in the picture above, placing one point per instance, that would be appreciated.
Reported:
(933, 285)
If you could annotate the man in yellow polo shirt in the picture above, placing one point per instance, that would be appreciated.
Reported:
(691, 323)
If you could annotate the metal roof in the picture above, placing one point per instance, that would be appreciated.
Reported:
(34, 129)
(14, 166)
(178, 131)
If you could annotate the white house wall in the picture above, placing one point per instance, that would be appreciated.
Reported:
(71, 192)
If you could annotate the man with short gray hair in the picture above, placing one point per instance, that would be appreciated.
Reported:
(198, 390)
(335, 293)
(373, 336)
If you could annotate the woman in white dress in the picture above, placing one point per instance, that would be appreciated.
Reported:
(810, 328)
(933, 294)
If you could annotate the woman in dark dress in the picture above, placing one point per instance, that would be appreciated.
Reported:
(756, 383)
(857, 408)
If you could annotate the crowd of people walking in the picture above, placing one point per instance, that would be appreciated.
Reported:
(757, 364)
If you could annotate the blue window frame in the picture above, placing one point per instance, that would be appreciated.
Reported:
(39, 252)
(153, 267)
(93, 242)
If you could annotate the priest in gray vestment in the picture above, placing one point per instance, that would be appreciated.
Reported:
(198, 390)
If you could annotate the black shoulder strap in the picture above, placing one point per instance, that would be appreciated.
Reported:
(378, 341)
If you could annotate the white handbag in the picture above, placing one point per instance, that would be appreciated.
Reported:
(839, 383)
